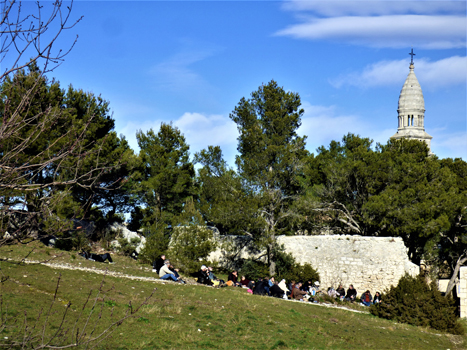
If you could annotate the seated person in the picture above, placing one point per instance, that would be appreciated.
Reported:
(244, 282)
(276, 291)
(261, 287)
(366, 298)
(233, 278)
(298, 294)
(351, 294)
(157, 264)
(291, 286)
(332, 292)
(315, 289)
(307, 286)
(377, 298)
(96, 257)
(203, 276)
(251, 285)
(284, 288)
(165, 273)
(340, 292)
(266, 285)
(213, 277)
(271, 282)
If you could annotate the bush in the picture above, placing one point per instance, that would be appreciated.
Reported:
(253, 269)
(126, 247)
(190, 246)
(289, 269)
(415, 302)
(157, 242)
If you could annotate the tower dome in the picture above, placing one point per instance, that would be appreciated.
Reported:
(411, 110)
(411, 97)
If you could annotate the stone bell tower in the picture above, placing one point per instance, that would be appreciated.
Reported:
(411, 110)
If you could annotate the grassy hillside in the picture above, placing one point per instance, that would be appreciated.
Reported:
(188, 316)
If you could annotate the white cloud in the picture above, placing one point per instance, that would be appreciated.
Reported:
(367, 8)
(395, 31)
(203, 130)
(431, 75)
(177, 72)
(200, 131)
(322, 124)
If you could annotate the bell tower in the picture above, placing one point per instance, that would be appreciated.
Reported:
(411, 110)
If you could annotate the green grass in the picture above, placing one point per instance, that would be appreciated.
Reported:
(190, 316)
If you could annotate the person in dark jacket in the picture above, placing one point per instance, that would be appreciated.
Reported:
(341, 292)
(377, 298)
(96, 257)
(260, 288)
(233, 276)
(351, 294)
(276, 291)
(158, 263)
(251, 285)
(203, 276)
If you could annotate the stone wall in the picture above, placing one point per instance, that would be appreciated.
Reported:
(373, 263)
(462, 291)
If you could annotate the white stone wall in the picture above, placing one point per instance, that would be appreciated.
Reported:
(373, 263)
(462, 291)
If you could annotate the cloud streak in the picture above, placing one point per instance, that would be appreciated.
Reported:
(394, 31)
(375, 8)
(431, 75)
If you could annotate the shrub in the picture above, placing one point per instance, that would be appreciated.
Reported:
(126, 247)
(415, 302)
(191, 240)
(157, 242)
(190, 246)
(253, 269)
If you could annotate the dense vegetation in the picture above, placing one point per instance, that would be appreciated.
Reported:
(416, 302)
(276, 188)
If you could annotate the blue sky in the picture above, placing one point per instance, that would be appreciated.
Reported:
(190, 62)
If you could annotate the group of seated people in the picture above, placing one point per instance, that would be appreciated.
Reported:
(299, 291)
(307, 291)
(366, 298)
(165, 270)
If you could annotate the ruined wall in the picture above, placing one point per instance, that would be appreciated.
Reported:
(462, 291)
(373, 263)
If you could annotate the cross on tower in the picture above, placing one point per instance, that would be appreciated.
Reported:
(411, 54)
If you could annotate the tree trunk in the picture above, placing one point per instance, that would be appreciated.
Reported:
(462, 259)
(272, 264)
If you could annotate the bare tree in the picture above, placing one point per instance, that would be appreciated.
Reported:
(35, 35)
(29, 40)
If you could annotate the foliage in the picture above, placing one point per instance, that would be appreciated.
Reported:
(394, 190)
(271, 158)
(166, 176)
(157, 243)
(191, 240)
(126, 247)
(415, 302)
(224, 200)
(254, 269)
(72, 239)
